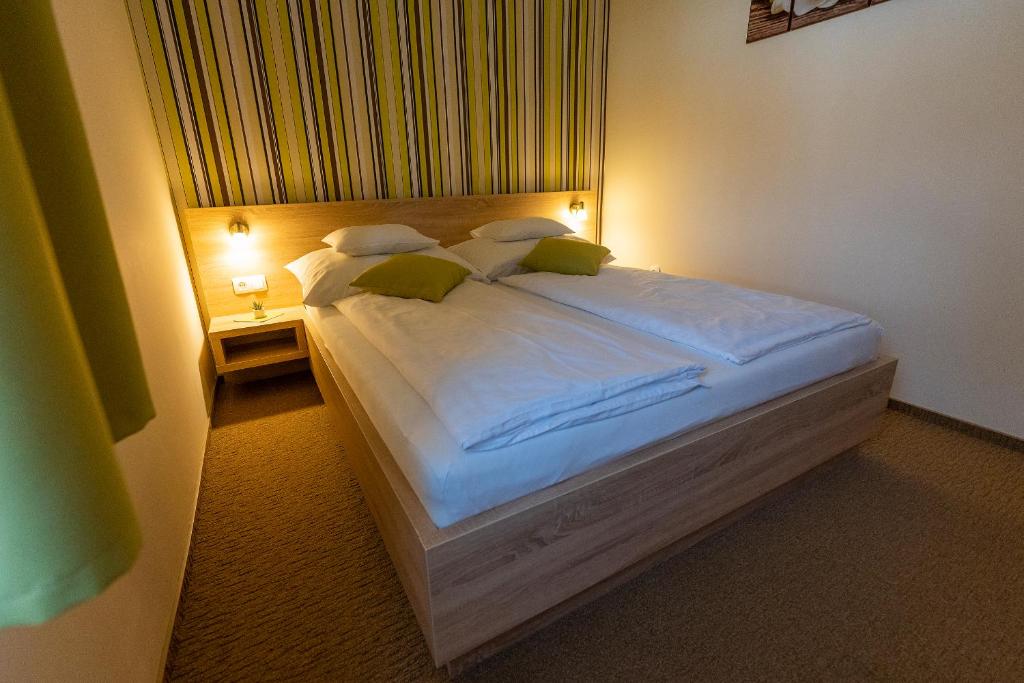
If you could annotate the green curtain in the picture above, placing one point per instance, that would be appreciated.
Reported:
(72, 375)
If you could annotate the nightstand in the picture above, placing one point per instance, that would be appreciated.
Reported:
(240, 345)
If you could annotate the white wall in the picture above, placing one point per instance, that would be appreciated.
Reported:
(874, 161)
(123, 634)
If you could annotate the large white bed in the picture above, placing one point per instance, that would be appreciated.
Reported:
(492, 543)
(454, 484)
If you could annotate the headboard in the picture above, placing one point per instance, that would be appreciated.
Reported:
(280, 233)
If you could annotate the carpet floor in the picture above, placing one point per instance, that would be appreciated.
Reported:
(903, 559)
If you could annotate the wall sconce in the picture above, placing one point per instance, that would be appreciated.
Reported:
(239, 231)
(578, 211)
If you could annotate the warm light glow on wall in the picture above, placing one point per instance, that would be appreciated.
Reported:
(239, 231)
(240, 245)
(575, 215)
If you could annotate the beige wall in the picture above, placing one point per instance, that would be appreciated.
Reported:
(875, 162)
(122, 635)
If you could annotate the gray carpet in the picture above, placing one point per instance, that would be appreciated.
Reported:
(902, 560)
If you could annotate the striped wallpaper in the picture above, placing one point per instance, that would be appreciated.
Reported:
(275, 101)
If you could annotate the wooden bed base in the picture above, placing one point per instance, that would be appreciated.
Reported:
(481, 584)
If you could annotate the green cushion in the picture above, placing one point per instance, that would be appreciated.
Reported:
(569, 257)
(413, 276)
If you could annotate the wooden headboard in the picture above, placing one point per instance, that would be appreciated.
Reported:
(280, 233)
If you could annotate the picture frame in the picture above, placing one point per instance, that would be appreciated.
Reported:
(770, 18)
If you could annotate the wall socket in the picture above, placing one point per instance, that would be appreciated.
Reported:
(654, 267)
(249, 284)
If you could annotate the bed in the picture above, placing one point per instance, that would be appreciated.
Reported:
(485, 564)
(453, 484)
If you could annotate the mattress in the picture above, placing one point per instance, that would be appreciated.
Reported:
(454, 484)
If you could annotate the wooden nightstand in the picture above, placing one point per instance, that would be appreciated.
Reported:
(243, 345)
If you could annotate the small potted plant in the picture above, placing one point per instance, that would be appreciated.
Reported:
(257, 309)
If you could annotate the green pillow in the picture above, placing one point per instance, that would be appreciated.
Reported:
(413, 276)
(569, 257)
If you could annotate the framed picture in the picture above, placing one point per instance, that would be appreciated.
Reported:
(773, 17)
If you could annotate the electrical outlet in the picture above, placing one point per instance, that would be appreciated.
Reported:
(654, 267)
(249, 284)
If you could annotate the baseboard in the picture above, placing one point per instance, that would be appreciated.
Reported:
(170, 646)
(969, 428)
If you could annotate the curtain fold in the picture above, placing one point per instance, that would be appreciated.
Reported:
(46, 116)
(72, 376)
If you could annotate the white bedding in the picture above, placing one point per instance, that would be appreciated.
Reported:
(726, 321)
(497, 368)
(453, 483)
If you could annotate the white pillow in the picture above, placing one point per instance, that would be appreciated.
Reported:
(501, 259)
(521, 229)
(366, 240)
(325, 274)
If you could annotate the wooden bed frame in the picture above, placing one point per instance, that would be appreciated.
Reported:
(485, 582)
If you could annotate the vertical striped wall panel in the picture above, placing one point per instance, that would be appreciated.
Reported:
(275, 101)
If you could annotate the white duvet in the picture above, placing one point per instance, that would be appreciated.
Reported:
(498, 368)
(723, 320)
